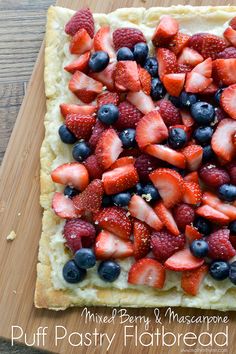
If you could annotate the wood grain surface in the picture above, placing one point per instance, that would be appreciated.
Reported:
(21, 33)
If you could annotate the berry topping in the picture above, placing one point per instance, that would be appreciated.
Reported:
(64, 207)
(98, 129)
(212, 214)
(129, 116)
(70, 192)
(192, 193)
(225, 208)
(84, 87)
(108, 246)
(166, 217)
(192, 233)
(231, 168)
(158, 91)
(183, 260)
(108, 148)
(167, 63)
(193, 155)
(140, 53)
(72, 273)
(120, 179)
(165, 31)
(227, 53)
(151, 65)
(221, 142)
(191, 279)
(108, 114)
(127, 137)
(127, 76)
(121, 199)
(81, 19)
(79, 233)
(67, 108)
(108, 97)
(203, 135)
(178, 42)
(127, 37)
(144, 165)
(207, 44)
(177, 138)
(174, 83)
(169, 113)
(80, 125)
(81, 42)
(73, 174)
(232, 272)
(227, 192)
(213, 176)
(94, 169)
(66, 135)
(199, 248)
(184, 215)
(219, 270)
(125, 53)
(91, 198)
(80, 64)
(220, 246)
(165, 244)
(150, 193)
(190, 57)
(106, 76)
(81, 151)
(85, 258)
(203, 113)
(145, 80)
(167, 154)
(103, 41)
(141, 239)
(109, 270)
(141, 101)
(98, 61)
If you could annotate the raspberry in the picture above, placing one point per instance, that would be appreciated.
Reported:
(98, 129)
(80, 125)
(164, 244)
(220, 246)
(94, 169)
(183, 215)
(145, 164)
(79, 233)
(170, 114)
(81, 19)
(231, 168)
(213, 176)
(127, 37)
(129, 116)
(228, 53)
(108, 97)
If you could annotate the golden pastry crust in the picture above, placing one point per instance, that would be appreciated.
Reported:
(212, 295)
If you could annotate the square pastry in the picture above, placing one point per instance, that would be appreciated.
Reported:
(138, 167)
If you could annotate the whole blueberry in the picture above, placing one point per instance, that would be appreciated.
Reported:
(81, 151)
(219, 270)
(127, 137)
(121, 199)
(139, 189)
(107, 200)
(232, 272)
(187, 99)
(151, 65)
(108, 113)
(124, 53)
(203, 113)
(177, 138)
(109, 270)
(98, 61)
(199, 248)
(203, 225)
(66, 135)
(158, 91)
(217, 95)
(72, 273)
(175, 100)
(85, 258)
(227, 192)
(208, 153)
(232, 227)
(70, 192)
(140, 52)
(203, 135)
(150, 193)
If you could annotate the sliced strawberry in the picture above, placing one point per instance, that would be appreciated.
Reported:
(196, 83)
(165, 31)
(192, 193)
(167, 63)
(193, 155)
(212, 214)
(228, 53)
(151, 129)
(192, 233)
(94, 169)
(129, 116)
(221, 141)
(115, 220)
(169, 184)
(174, 83)
(81, 19)
(69, 108)
(187, 119)
(123, 161)
(108, 148)
(108, 246)
(167, 154)
(80, 64)
(81, 42)
(127, 76)
(80, 125)
(127, 37)
(91, 198)
(183, 260)
(223, 207)
(210, 90)
(64, 207)
(192, 279)
(84, 87)
(192, 177)
(228, 99)
(120, 179)
(147, 272)
(178, 42)
(74, 174)
(141, 239)
(145, 80)
(207, 44)
(184, 214)
(167, 219)
(230, 35)
(141, 101)
(190, 57)
(188, 131)
(141, 210)
(225, 70)
(220, 246)
(204, 68)
(108, 97)
(106, 76)
(98, 129)
(169, 113)
(103, 41)
(183, 68)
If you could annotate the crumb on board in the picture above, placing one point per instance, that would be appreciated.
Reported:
(14, 292)
(11, 236)
(19, 214)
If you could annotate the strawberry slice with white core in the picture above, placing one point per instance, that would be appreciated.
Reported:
(141, 101)
(120, 179)
(228, 101)
(81, 42)
(192, 177)
(174, 83)
(212, 214)
(151, 129)
(64, 207)
(191, 280)
(108, 246)
(196, 83)
(169, 184)
(165, 31)
(190, 57)
(147, 272)
(80, 63)
(183, 260)
(106, 77)
(84, 87)
(230, 35)
(70, 108)
(221, 142)
(225, 70)
(167, 154)
(192, 234)
(192, 193)
(103, 41)
(193, 155)
(143, 212)
(225, 208)
(166, 217)
(204, 68)
(167, 62)
(74, 174)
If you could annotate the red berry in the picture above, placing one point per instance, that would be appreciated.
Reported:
(145, 164)
(213, 176)
(107, 97)
(227, 53)
(80, 125)
(79, 233)
(98, 129)
(127, 37)
(183, 215)
(129, 116)
(164, 244)
(207, 44)
(91, 198)
(169, 113)
(81, 19)
(93, 167)
(231, 168)
(220, 246)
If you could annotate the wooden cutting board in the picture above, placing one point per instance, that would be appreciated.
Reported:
(20, 211)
